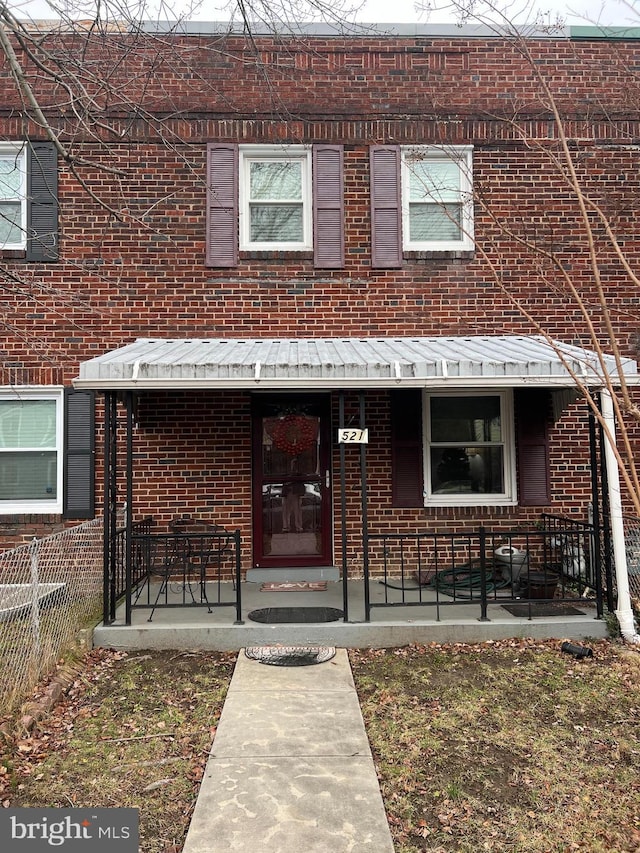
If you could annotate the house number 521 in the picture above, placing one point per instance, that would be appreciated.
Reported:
(353, 436)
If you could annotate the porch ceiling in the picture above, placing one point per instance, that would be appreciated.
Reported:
(325, 363)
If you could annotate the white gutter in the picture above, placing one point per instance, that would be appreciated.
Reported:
(624, 613)
(323, 382)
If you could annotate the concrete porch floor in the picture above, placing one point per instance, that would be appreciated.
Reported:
(194, 628)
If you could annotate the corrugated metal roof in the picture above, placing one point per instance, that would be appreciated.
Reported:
(313, 363)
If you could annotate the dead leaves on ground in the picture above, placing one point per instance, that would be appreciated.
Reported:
(505, 746)
(131, 729)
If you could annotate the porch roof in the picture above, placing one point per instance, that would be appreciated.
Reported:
(314, 363)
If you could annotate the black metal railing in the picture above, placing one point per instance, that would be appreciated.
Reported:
(115, 586)
(191, 569)
(198, 568)
(555, 561)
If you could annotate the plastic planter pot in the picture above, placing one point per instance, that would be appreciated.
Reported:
(540, 585)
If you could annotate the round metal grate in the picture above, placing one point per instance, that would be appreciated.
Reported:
(290, 655)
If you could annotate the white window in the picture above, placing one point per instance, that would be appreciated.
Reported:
(31, 428)
(437, 198)
(275, 198)
(13, 196)
(470, 452)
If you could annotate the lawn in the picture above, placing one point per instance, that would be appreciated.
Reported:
(510, 746)
(133, 730)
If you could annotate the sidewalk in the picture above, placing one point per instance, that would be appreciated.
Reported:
(290, 768)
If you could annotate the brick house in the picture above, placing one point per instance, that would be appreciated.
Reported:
(297, 235)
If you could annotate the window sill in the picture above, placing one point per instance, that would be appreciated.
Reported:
(13, 254)
(456, 504)
(25, 509)
(276, 255)
(442, 255)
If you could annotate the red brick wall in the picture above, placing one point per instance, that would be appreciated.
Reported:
(134, 266)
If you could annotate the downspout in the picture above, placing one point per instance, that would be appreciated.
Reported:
(624, 613)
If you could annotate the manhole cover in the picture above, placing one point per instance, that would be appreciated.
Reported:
(290, 655)
(281, 615)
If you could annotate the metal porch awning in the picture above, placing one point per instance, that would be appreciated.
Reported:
(330, 363)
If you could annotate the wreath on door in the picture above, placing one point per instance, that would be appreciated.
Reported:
(294, 434)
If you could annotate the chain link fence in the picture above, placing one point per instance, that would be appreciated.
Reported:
(49, 590)
(632, 547)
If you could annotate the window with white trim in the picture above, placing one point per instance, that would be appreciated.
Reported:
(469, 450)
(437, 198)
(31, 457)
(13, 196)
(275, 189)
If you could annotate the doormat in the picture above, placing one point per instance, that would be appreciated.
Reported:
(282, 615)
(290, 655)
(543, 610)
(293, 586)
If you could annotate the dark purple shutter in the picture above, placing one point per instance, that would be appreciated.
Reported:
(328, 207)
(532, 436)
(406, 448)
(222, 205)
(386, 208)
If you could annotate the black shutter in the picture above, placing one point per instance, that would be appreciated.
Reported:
(406, 448)
(532, 436)
(79, 455)
(42, 202)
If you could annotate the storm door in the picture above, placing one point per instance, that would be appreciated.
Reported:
(291, 482)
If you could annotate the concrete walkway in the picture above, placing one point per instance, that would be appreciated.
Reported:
(290, 768)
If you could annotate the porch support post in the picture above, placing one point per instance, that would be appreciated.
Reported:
(343, 513)
(110, 508)
(129, 506)
(606, 520)
(365, 516)
(624, 611)
(596, 538)
(482, 540)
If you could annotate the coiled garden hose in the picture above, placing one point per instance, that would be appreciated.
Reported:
(463, 581)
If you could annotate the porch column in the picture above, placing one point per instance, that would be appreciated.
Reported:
(365, 510)
(110, 508)
(595, 512)
(128, 512)
(343, 513)
(624, 612)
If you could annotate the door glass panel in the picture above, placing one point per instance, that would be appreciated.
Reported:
(291, 486)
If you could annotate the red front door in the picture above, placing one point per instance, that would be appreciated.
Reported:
(291, 482)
